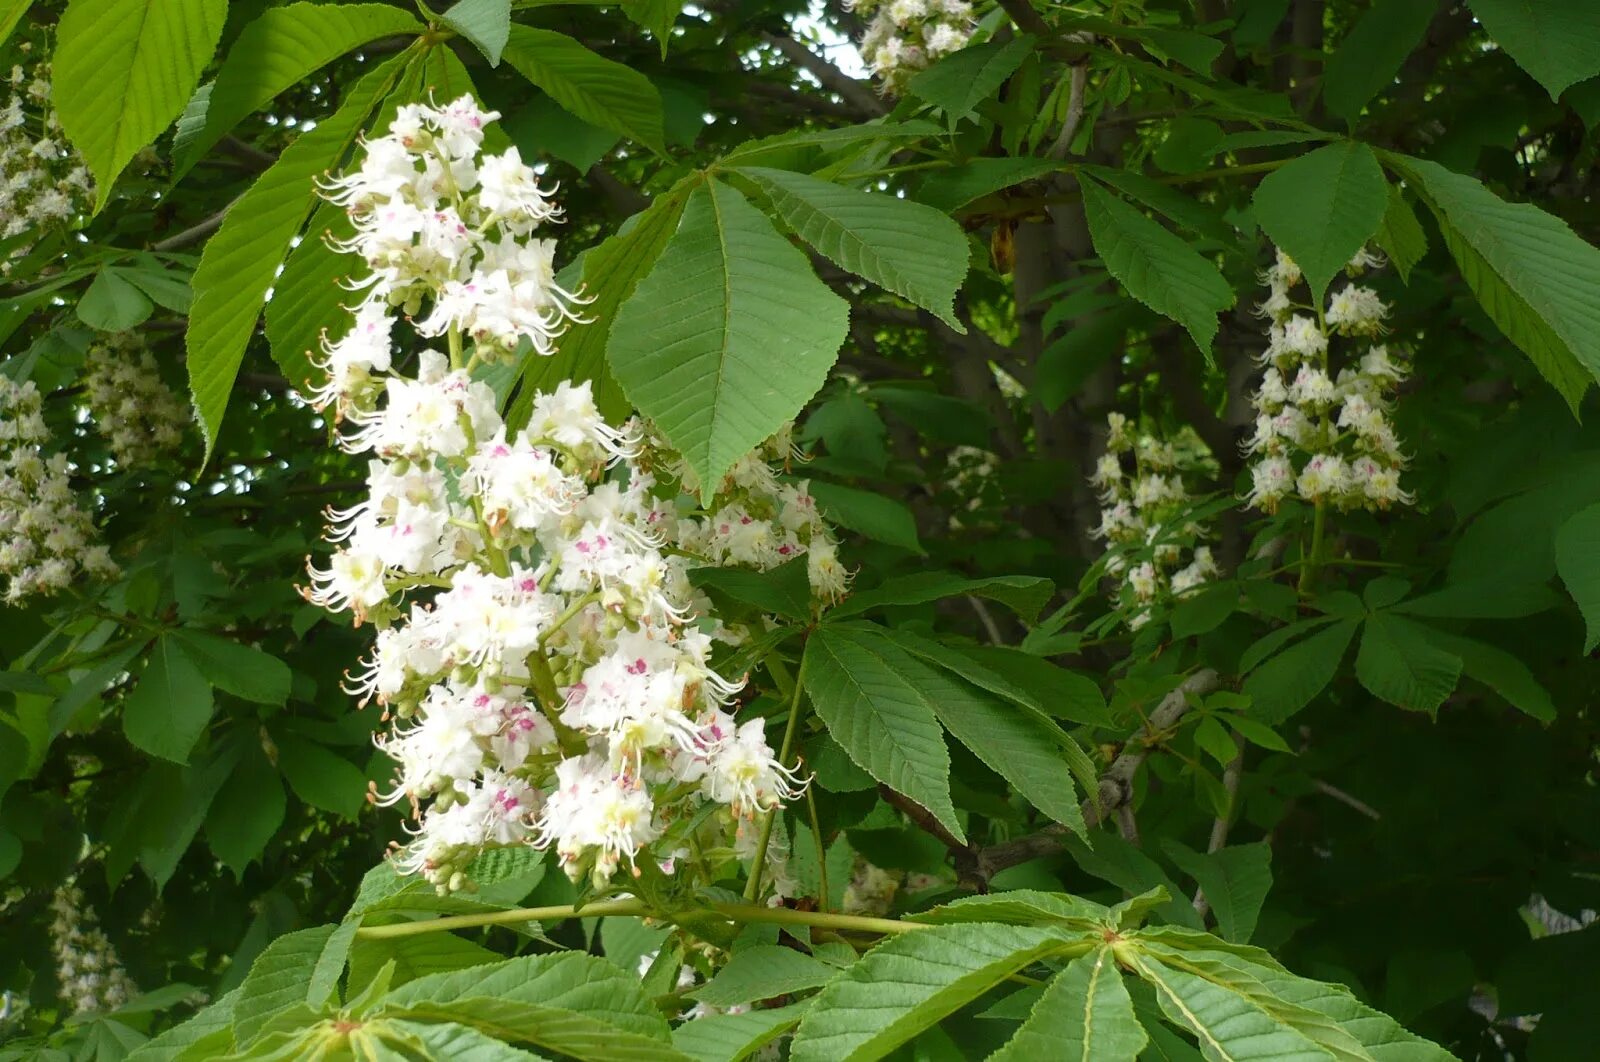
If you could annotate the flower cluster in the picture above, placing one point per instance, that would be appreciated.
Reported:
(90, 974)
(1147, 517)
(1323, 437)
(46, 540)
(42, 180)
(544, 657)
(905, 36)
(437, 223)
(760, 522)
(139, 415)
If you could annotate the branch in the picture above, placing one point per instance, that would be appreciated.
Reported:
(627, 199)
(1115, 790)
(1027, 19)
(1223, 823)
(195, 233)
(1069, 128)
(831, 77)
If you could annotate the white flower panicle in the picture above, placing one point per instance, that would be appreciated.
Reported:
(1152, 543)
(87, 967)
(906, 36)
(759, 522)
(448, 239)
(47, 541)
(1319, 436)
(138, 414)
(43, 181)
(541, 651)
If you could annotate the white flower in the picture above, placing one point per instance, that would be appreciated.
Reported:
(1323, 476)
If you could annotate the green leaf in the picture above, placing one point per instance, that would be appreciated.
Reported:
(1054, 690)
(1236, 880)
(597, 90)
(868, 513)
(912, 250)
(307, 298)
(167, 288)
(950, 190)
(570, 1002)
(1535, 278)
(112, 304)
(957, 83)
(241, 260)
(1156, 267)
(1293, 678)
(321, 778)
(123, 71)
(1500, 671)
(1068, 362)
(1401, 236)
(1380, 1034)
(1322, 208)
(1020, 907)
(774, 150)
(1557, 41)
(1204, 610)
(459, 1043)
(1400, 664)
(1371, 54)
(1578, 561)
(486, 23)
(1229, 1026)
(730, 1037)
(908, 983)
(1257, 734)
(277, 980)
(728, 335)
(247, 811)
(1023, 594)
(11, 13)
(611, 273)
(1190, 145)
(657, 16)
(277, 50)
(241, 670)
(763, 972)
(169, 708)
(783, 591)
(1085, 1015)
(208, 1034)
(878, 715)
(404, 959)
(1021, 746)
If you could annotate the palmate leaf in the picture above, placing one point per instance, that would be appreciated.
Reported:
(611, 272)
(124, 70)
(307, 297)
(1398, 662)
(1015, 740)
(1323, 207)
(1558, 43)
(1293, 678)
(730, 1037)
(588, 988)
(240, 261)
(1236, 880)
(1085, 1015)
(599, 91)
(580, 1035)
(957, 83)
(278, 980)
(1578, 562)
(457, 1042)
(910, 982)
(762, 972)
(915, 251)
(1229, 1026)
(1157, 268)
(728, 335)
(279, 49)
(1370, 55)
(1024, 594)
(486, 23)
(1535, 278)
(862, 687)
(168, 710)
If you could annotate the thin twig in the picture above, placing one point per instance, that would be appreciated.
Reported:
(986, 618)
(1078, 80)
(195, 233)
(1346, 799)
(1223, 823)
